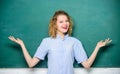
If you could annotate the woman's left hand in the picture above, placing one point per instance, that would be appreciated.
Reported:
(103, 43)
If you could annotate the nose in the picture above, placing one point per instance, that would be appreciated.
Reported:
(65, 22)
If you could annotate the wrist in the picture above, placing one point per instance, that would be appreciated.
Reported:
(22, 45)
(97, 48)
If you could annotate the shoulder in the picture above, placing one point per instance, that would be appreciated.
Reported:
(74, 39)
(47, 39)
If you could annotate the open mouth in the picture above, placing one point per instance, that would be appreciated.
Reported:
(65, 27)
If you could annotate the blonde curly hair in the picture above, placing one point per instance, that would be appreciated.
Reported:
(53, 20)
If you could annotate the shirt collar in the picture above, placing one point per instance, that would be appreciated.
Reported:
(59, 37)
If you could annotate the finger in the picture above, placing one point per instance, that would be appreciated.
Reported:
(12, 38)
(9, 37)
(108, 41)
(18, 39)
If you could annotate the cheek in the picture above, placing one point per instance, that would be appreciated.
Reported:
(68, 24)
(58, 25)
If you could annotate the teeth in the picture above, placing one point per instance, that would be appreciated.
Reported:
(64, 27)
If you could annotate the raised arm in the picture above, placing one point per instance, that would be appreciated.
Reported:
(30, 61)
(87, 64)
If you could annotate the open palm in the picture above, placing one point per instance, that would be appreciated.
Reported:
(103, 43)
(16, 40)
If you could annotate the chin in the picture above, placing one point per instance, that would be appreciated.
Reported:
(65, 32)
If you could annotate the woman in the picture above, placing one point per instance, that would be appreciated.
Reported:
(60, 47)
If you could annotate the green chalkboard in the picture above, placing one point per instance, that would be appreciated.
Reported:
(27, 19)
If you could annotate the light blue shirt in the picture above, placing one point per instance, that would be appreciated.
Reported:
(61, 54)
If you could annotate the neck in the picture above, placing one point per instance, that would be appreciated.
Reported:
(62, 35)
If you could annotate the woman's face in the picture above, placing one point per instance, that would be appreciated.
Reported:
(62, 24)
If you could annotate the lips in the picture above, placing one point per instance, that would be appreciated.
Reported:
(64, 27)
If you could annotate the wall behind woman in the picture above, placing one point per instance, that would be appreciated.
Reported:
(27, 19)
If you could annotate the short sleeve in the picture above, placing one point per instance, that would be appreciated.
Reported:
(79, 52)
(42, 50)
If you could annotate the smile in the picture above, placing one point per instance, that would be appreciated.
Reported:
(64, 27)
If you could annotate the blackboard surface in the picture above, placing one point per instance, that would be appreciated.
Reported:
(94, 20)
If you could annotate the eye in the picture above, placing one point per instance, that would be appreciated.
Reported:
(66, 21)
(61, 22)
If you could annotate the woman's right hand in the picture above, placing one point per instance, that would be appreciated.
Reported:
(16, 40)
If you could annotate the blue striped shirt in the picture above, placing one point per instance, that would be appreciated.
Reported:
(61, 54)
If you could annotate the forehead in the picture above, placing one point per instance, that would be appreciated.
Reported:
(62, 17)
